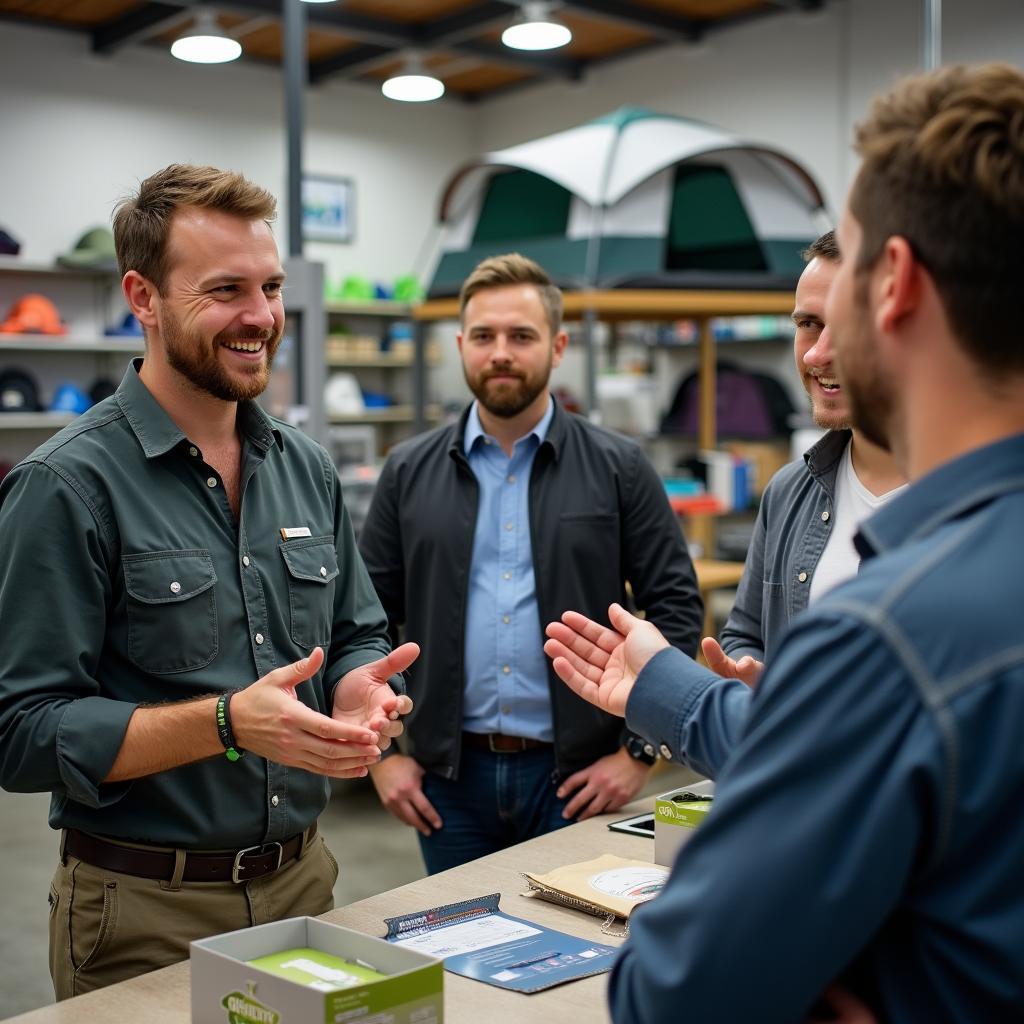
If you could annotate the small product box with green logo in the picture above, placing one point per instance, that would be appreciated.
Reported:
(676, 814)
(304, 970)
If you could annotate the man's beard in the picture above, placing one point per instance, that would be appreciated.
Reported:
(197, 361)
(869, 390)
(512, 398)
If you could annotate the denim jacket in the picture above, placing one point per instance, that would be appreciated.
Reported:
(867, 821)
(792, 529)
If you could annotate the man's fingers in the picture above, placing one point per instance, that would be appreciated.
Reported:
(587, 656)
(399, 659)
(426, 809)
(601, 636)
(297, 671)
(576, 682)
(622, 620)
(718, 661)
(327, 728)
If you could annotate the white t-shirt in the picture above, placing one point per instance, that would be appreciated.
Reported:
(853, 504)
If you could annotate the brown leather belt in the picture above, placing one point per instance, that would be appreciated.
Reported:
(200, 865)
(498, 743)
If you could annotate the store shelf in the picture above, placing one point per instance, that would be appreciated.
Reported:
(378, 307)
(386, 414)
(16, 265)
(382, 362)
(51, 421)
(61, 344)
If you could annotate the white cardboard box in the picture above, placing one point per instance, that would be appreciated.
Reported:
(228, 990)
(674, 822)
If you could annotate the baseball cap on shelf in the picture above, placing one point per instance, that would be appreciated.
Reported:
(33, 314)
(129, 327)
(94, 251)
(70, 398)
(102, 387)
(9, 245)
(18, 391)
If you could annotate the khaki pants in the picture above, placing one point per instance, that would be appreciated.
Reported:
(107, 927)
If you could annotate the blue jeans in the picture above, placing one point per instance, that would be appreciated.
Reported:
(497, 801)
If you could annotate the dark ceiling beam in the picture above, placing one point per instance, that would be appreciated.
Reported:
(545, 64)
(466, 24)
(670, 28)
(350, 63)
(136, 24)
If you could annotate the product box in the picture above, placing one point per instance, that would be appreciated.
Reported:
(331, 974)
(676, 814)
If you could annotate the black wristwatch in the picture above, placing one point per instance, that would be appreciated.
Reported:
(640, 750)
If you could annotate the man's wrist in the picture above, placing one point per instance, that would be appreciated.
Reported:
(227, 737)
(640, 749)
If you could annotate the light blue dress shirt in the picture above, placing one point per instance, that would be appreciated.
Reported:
(506, 673)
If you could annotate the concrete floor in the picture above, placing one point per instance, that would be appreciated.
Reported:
(374, 850)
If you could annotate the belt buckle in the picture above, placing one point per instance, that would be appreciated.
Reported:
(264, 848)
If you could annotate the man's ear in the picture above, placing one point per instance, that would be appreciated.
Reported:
(898, 280)
(142, 297)
(558, 348)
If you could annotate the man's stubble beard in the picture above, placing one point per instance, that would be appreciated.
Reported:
(196, 360)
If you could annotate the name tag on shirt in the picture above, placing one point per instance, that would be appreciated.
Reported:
(291, 532)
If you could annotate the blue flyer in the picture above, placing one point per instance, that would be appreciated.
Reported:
(478, 941)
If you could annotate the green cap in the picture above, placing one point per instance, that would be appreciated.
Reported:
(94, 250)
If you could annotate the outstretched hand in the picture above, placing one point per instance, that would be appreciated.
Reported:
(364, 698)
(747, 669)
(598, 663)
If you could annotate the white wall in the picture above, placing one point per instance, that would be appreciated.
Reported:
(81, 130)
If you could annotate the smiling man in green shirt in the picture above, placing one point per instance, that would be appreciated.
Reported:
(170, 547)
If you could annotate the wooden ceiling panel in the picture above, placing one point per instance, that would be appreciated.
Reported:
(69, 12)
(407, 11)
(702, 10)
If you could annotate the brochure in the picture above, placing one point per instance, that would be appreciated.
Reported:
(478, 941)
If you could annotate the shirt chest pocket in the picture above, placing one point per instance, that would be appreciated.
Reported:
(172, 610)
(312, 565)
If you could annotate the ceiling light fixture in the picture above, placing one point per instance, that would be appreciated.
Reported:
(536, 29)
(413, 84)
(206, 42)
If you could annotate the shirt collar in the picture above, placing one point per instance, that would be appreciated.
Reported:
(945, 494)
(157, 433)
(474, 429)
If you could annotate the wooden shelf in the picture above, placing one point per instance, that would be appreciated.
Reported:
(51, 421)
(61, 344)
(372, 307)
(16, 265)
(386, 414)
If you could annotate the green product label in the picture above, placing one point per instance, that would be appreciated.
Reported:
(422, 983)
(246, 1009)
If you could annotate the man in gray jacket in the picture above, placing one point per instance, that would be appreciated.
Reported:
(803, 539)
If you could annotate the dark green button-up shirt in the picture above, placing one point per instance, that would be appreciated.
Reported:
(125, 580)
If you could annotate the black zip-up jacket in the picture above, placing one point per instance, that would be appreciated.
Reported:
(598, 517)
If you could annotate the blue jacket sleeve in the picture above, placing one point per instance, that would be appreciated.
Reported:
(819, 817)
(681, 705)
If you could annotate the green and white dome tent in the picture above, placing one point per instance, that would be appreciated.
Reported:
(634, 199)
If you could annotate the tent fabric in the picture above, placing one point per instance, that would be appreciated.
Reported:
(604, 204)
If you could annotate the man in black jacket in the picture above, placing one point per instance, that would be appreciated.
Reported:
(481, 532)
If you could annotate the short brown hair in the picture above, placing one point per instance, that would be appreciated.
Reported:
(943, 167)
(142, 222)
(511, 269)
(826, 247)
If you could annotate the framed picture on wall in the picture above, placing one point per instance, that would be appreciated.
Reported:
(328, 208)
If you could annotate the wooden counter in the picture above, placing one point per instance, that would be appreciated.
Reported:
(163, 996)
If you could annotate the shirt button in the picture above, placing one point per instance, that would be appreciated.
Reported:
(487, 440)
(211, 481)
(824, 516)
(275, 800)
(665, 752)
(245, 561)
(802, 577)
(506, 711)
(509, 526)
(258, 638)
(505, 619)
(175, 587)
(506, 669)
(506, 575)
(194, 452)
(511, 479)
(323, 570)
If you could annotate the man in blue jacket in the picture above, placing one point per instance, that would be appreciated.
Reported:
(481, 532)
(866, 823)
